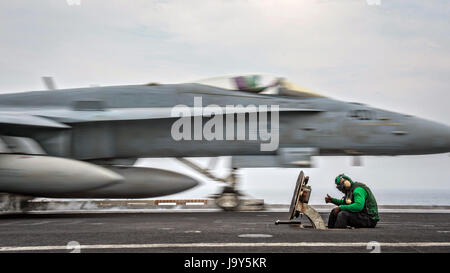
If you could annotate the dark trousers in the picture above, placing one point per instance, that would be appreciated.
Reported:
(353, 219)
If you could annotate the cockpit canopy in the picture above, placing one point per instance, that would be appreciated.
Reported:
(260, 84)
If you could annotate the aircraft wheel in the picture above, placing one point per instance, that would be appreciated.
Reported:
(228, 201)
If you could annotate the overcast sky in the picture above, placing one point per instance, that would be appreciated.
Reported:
(393, 56)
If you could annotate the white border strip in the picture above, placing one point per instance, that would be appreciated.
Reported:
(303, 244)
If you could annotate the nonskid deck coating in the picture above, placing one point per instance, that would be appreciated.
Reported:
(216, 232)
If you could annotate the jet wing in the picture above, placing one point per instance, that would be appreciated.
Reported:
(56, 117)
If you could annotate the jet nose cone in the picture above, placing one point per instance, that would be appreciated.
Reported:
(447, 138)
(435, 137)
(442, 138)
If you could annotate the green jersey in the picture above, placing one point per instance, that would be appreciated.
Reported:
(362, 201)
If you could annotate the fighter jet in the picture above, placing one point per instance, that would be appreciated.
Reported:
(83, 142)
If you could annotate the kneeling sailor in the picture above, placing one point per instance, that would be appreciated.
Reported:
(358, 208)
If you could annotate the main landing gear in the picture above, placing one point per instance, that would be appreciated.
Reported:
(229, 199)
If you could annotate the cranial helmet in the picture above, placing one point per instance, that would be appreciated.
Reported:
(346, 185)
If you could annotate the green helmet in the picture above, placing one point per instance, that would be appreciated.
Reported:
(338, 178)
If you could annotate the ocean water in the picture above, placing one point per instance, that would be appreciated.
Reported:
(283, 195)
(383, 196)
(413, 197)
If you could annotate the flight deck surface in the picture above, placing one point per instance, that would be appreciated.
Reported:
(213, 231)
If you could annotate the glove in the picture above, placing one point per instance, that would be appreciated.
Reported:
(328, 199)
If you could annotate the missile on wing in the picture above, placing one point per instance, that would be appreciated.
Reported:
(48, 176)
(140, 182)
